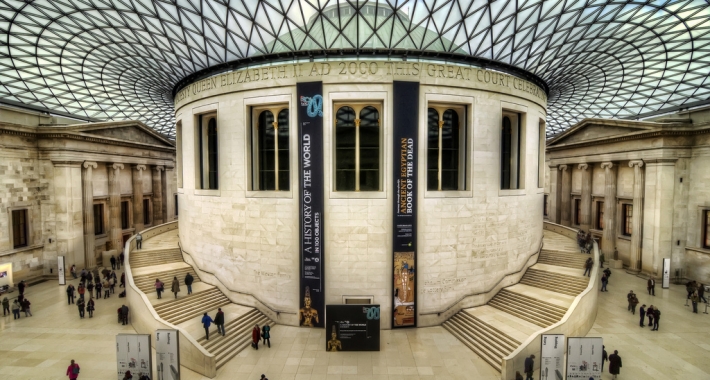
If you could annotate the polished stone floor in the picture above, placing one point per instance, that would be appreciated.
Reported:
(41, 346)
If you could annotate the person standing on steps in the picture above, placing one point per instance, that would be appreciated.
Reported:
(615, 363)
(158, 287)
(206, 322)
(139, 241)
(219, 321)
(175, 287)
(656, 318)
(73, 370)
(642, 313)
(266, 334)
(695, 299)
(604, 357)
(188, 283)
(529, 367)
(113, 262)
(70, 294)
(255, 337)
(588, 267)
(5, 306)
(651, 286)
(90, 306)
(81, 306)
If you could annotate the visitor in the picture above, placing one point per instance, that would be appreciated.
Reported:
(120, 259)
(113, 262)
(107, 288)
(83, 274)
(158, 287)
(651, 286)
(73, 370)
(701, 292)
(529, 367)
(518, 376)
(604, 357)
(649, 315)
(694, 299)
(602, 258)
(81, 290)
(143, 376)
(607, 272)
(642, 313)
(112, 282)
(90, 288)
(188, 283)
(123, 280)
(73, 271)
(81, 306)
(98, 289)
(21, 287)
(219, 321)
(127, 375)
(124, 314)
(206, 322)
(615, 363)
(5, 306)
(263, 377)
(656, 318)
(90, 306)
(15, 310)
(255, 337)
(266, 334)
(175, 287)
(628, 299)
(634, 301)
(605, 282)
(139, 241)
(689, 288)
(70, 294)
(588, 267)
(26, 307)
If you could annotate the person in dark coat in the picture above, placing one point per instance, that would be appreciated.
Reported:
(80, 305)
(529, 367)
(90, 306)
(98, 289)
(255, 337)
(607, 272)
(175, 287)
(219, 321)
(266, 334)
(123, 280)
(127, 375)
(615, 363)
(629, 297)
(21, 287)
(701, 292)
(651, 286)
(70, 294)
(695, 299)
(634, 301)
(188, 282)
(588, 267)
(642, 313)
(604, 357)
(656, 318)
(518, 376)
(605, 282)
(124, 314)
(113, 262)
(206, 322)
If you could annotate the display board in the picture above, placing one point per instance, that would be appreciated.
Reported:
(552, 357)
(404, 220)
(310, 160)
(584, 358)
(60, 270)
(133, 354)
(167, 354)
(666, 273)
(352, 328)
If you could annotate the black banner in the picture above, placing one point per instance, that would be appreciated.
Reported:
(352, 328)
(310, 134)
(404, 223)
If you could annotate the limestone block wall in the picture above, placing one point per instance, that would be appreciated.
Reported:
(698, 200)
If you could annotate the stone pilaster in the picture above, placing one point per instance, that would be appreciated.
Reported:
(609, 236)
(637, 217)
(158, 195)
(565, 196)
(87, 189)
(585, 217)
(114, 206)
(659, 186)
(68, 207)
(168, 195)
(138, 197)
(553, 199)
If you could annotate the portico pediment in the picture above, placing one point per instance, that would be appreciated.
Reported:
(591, 130)
(130, 131)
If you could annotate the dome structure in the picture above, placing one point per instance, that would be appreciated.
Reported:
(115, 60)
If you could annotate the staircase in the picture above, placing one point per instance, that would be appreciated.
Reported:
(556, 282)
(569, 260)
(191, 306)
(146, 282)
(491, 344)
(531, 309)
(146, 258)
(238, 336)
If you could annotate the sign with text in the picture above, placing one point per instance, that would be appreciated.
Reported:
(552, 356)
(404, 221)
(666, 274)
(584, 358)
(167, 354)
(310, 138)
(133, 354)
(352, 328)
(60, 270)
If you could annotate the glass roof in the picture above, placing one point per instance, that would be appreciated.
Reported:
(120, 59)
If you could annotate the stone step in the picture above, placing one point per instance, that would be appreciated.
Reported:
(527, 308)
(188, 300)
(551, 281)
(146, 282)
(193, 306)
(197, 310)
(238, 345)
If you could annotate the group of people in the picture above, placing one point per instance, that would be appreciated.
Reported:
(257, 333)
(652, 312)
(87, 284)
(20, 304)
(696, 293)
(175, 286)
(218, 321)
(585, 241)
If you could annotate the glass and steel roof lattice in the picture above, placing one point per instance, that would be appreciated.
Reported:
(121, 59)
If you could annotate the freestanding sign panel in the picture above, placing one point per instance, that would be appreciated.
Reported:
(404, 223)
(666, 273)
(133, 354)
(552, 357)
(352, 328)
(167, 354)
(60, 270)
(584, 358)
(310, 138)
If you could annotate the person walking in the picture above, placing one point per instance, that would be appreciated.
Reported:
(73, 271)
(588, 267)
(113, 262)
(112, 282)
(124, 314)
(188, 282)
(81, 290)
(175, 287)
(120, 260)
(642, 313)
(70, 294)
(615, 363)
(21, 287)
(701, 292)
(605, 282)
(529, 367)
(90, 288)
(607, 272)
(107, 289)
(695, 299)
(15, 310)
(266, 334)
(628, 299)
(81, 306)
(139, 241)
(604, 357)
(651, 286)
(656, 318)
(26, 307)
(689, 288)
(634, 301)
(602, 258)
(5, 306)
(255, 337)
(98, 289)
(90, 306)
(206, 322)
(158, 287)
(73, 370)
(123, 280)
(219, 321)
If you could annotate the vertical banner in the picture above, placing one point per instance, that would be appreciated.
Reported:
(666, 273)
(133, 354)
(404, 221)
(552, 356)
(310, 160)
(167, 354)
(584, 358)
(60, 270)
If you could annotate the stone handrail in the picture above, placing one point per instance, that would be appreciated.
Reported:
(578, 320)
(145, 319)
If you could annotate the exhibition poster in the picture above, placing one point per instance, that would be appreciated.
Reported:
(352, 328)
(552, 357)
(584, 358)
(167, 354)
(133, 354)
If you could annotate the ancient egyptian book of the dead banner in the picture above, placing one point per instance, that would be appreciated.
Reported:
(310, 138)
(404, 223)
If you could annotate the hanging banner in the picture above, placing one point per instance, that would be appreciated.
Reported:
(60, 270)
(552, 357)
(584, 358)
(666, 274)
(167, 354)
(404, 221)
(352, 328)
(310, 160)
(133, 354)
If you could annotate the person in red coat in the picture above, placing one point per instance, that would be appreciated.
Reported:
(73, 371)
(255, 337)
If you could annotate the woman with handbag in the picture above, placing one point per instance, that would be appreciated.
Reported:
(158, 287)
(73, 370)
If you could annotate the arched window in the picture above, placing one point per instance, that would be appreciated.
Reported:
(209, 152)
(510, 151)
(357, 148)
(271, 150)
(446, 149)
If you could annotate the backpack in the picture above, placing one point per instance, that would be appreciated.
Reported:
(75, 370)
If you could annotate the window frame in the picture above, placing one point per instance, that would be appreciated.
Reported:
(203, 169)
(545, 210)
(147, 211)
(129, 213)
(254, 148)
(705, 231)
(358, 105)
(99, 220)
(599, 215)
(577, 211)
(542, 135)
(626, 219)
(178, 153)
(27, 227)
(461, 111)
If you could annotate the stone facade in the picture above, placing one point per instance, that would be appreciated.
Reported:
(468, 240)
(659, 167)
(57, 171)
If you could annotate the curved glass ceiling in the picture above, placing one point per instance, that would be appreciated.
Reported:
(120, 59)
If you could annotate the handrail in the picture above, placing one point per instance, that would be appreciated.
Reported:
(232, 290)
(490, 288)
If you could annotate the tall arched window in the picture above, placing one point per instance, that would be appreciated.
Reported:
(271, 150)
(209, 152)
(510, 151)
(357, 148)
(446, 148)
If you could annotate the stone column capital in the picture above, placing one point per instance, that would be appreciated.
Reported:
(633, 163)
(116, 166)
(563, 167)
(607, 165)
(138, 167)
(90, 164)
(159, 168)
(583, 166)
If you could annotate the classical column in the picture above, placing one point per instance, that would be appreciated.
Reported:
(637, 216)
(68, 208)
(138, 197)
(553, 199)
(585, 219)
(87, 190)
(168, 195)
(114, 206)
(565, 196)
(658, 214)
(609, 236)
(158, 195)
